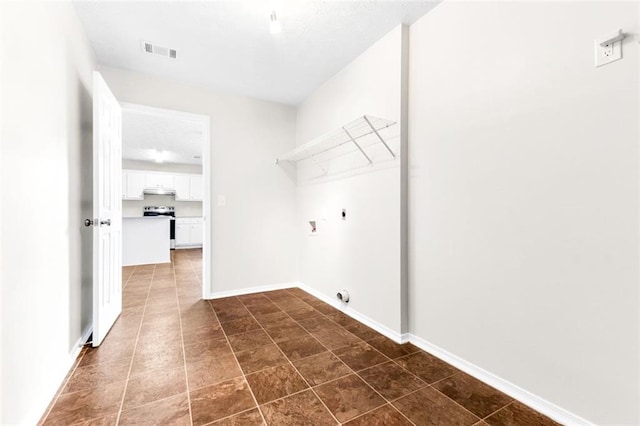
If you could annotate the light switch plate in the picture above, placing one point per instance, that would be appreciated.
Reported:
(222, 201)
(608, 53)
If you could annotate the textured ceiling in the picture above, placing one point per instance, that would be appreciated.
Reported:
(227, 46)
(143, 134)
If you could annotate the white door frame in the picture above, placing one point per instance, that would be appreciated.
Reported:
(206, 177)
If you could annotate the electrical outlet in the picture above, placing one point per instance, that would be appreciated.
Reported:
(608, 53)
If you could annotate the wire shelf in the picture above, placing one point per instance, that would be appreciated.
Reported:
(360, 133)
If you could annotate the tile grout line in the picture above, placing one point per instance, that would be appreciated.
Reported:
(64, 384)
(322, 344)
(244, 376)
(381, 396)
(184, 354)
(288, 360)
(288, 299)
(394, 360)
(501, 408)
(356, 372)
(352, 370)
(311, 334)
(389, 359)
(456, 402)
(135, 346)
(232, 415)
(70, 374)
(432, 385)
(377, 408)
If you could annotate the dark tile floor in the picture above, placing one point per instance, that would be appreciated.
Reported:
(276, 358)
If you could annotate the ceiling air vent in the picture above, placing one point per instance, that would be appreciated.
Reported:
(155, 49)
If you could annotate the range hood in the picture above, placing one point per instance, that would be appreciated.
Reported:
(159, 191)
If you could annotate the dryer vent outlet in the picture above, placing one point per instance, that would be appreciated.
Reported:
(343, 295)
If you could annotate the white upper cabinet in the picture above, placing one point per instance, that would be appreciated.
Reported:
(196, 187)
(133, 183)
(160, 180)
(183, 188)
(188, 187)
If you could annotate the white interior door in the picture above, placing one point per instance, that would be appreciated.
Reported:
(107, 209)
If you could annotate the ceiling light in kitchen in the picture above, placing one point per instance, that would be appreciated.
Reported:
(159, 156)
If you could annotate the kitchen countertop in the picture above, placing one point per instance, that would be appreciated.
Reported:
(146, 217)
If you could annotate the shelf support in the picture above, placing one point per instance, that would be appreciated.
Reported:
(312, 157)
(356, 144)
(379, 137)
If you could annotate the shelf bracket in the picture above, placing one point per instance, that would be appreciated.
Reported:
(379, 137)
(356, 144)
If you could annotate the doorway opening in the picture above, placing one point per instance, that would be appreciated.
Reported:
(166, 175)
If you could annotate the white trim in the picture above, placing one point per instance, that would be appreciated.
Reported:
(85, 335)
(250, 290)
(347, 310)
(206, 208)
(205, 120)
(51, 390)
(539, 404)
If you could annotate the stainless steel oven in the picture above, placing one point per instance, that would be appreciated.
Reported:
(164, 211)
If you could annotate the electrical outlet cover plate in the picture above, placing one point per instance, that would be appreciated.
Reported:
(608, 53)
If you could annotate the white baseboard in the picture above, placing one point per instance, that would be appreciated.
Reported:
(539, 404)
(535, 402)
(85, 335)
(347, 310)
(249, 290)
(51, 389)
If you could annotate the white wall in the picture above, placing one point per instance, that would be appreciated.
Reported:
(362, 253)
(183, 208)
(524, 198)
(161, 167)
(46, 112)
(252, 237)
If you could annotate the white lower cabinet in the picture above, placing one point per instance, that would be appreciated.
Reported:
(189, 232)
(196, 233)
(183, 234)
